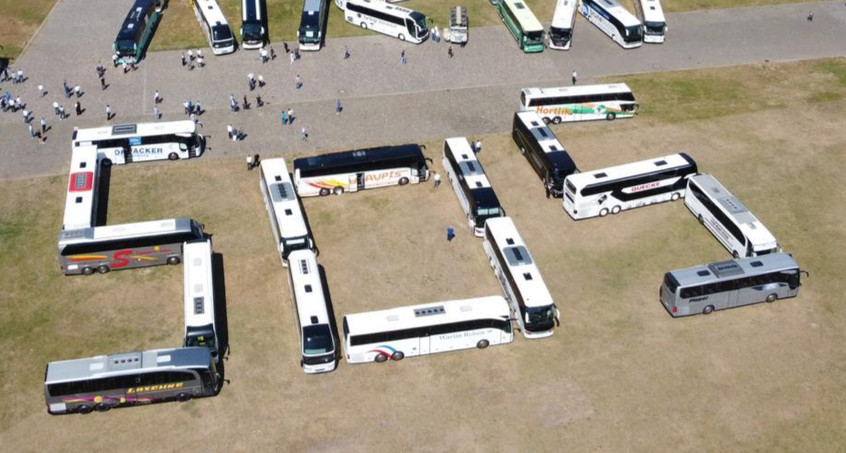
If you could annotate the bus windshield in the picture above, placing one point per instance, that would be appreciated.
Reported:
(654, 27)
(560, 34)
(420, 20)
(634, 33)
(540, 318)
(489, 212)
(125, 47)
(533, 37)
(251, 31)
(221, 35)
(317, 339)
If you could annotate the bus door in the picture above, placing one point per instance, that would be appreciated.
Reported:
(359, 178)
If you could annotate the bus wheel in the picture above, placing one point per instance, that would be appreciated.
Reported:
(403, 181)
(399, 355)
(173, 260)
(324, 191)
(102, 407)
(173, 156)
(556, 120)
(735, 254)
(603, 212)
(546, 121)
(701, 219)
(103, 269)
(338, 190)
(615, 210)
(401, 37)
(482, 344)
(183, 397)
(87, 270)
(107, 162)
(610, 116)
(364, 26)
(84, 409)
(771, 298)
(675, 196)
(381, 358)
(707, 310)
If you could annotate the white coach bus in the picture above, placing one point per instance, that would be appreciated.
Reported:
(141, 142)
(563, 21)
(521, 281)
(317, 342)
(397, 333)
(615, 189)
(351, 171)
(215, 27)
(580, 103)
(470, 183)
(401, 23)
(615, 21)
(740, 232)
(654, 24)
(200, 327)
(83, 182)
(287, 222)
(253, 33)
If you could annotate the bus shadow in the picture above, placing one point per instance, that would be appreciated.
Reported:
(330, 308)
(307, 224)
(221, 321)
(143, 53)
(102, 210)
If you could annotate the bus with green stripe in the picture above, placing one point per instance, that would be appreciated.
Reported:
(136, 31)
(522, 24)
(579, 103)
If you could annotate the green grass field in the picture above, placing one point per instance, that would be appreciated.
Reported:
(619, 374)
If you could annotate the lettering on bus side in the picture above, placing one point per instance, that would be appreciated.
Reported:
(453, 336)
(155, 388)
(121, 258)
(383, 175)
(147, 151)
(698, 299)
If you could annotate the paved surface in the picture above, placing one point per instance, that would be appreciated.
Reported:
(430, 98)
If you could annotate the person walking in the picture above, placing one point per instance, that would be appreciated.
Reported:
(102, 83)
(298, 82)
(190, 55)
(156, 97)
(272, 53)
(25, 115)
(449, 51)
(285, 44)
(261, 81)
(437, 179)
(291, 54)
(477, 146)
(403, 59)
(62, 115)
(249, 162)
(263, 55)
(108, 112)
(198, 108)
(43, 125)
(246, 104)
(31, 131)
(575, 77)
(346, 53)
(41, 90)
(78, 108)
(284, 117)
(259, 101)
(183, 60)
(77, 90)
(810, 16)
(67, 89)
(303, 134)
(156, 114)
(251, 81)
(450, 232)
(338, 107)
(229, 130)
(56, 108)
(290, 116)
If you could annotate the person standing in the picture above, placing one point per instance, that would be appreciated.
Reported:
(284, 117)
(338, 107)
(190, 55)
(449, 51)
(102, 83)
(575, 77)
(56, 108)
(249, 162)
(298, 82)
(43, 125)
(31, 131)
(403, 60)
(62, 112)
(290, 116)
(229, 130)
(261, 81)
(437, 179)
(156, 114)
(291, 54)
(810, 16)
(78, 108)
(272, 53)
(41, 90)
(25, 115)
(346, 53)
(285, 44)
(450, 232)
(108, 112)
(303, 134)
(477, 146)
(183, 61)
(156, 97)
(77, 90)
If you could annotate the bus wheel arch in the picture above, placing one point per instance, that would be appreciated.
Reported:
(397, 356)
(183, 397)
(675, 196)
(546, 120)
(324, 192)
(483, 343)
(173, 260)
(363, 25)
(84, 409)
(380, 358)
(103, 269)
(87, 270)
(771, 298)
(610, 116)
(102, 407)
(556, 120)
(403, 181)
(173, 156)
(338, 190)
(616, 209)
(708, 310)
(107, 162)
(401, 37)
(603, 212)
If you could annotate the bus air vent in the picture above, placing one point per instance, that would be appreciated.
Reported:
(429, 311)
(314, 319)
(288, 212)
(304, 267)
(703, 273)
(277, 178)
(199, 305)
(308, 288)
(756, 264)
(478, 184)
(660, 163)
(527, 276)
(464, 156)
(535, 124)
(509, 241)
(600, 175)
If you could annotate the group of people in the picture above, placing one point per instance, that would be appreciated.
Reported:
(192, 57)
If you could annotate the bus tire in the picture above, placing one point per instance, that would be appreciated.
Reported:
(610, 116)
(403, 181)
(87, 270)
(84, 409)
(107, 162)
(482, 344)
(735, 255)
(545, 119)
(363, 26)
(675, 196)
(173, 156)
(616, 210)
(338, 190)
(324, 192)
(771, 298)
(102, 407)
(401, 37)
(380, 358)
(103, 269)
(173, 260)
(603, 212)
(397, 356)
(556, 120)
(183, 397)
(701, 219)
(708, 310)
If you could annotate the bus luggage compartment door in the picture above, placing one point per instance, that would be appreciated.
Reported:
(359, 177)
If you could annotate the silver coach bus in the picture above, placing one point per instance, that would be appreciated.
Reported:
(129, 379)
(728, 284)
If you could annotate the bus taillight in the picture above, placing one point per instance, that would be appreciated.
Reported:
(675, 310)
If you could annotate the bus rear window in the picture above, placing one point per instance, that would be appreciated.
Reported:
(671, 283)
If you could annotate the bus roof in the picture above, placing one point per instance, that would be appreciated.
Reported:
(652, 11)
(709, 273)
(211, 11)
(251, 10)
(152, 227)
(332, 160)
(749, 225)
(578, 90)
(458, 17)
(129, 28)
(286, 205)
(523, 269)
(615, 9)
(125, 363)
(307, 288)
(427, 314)
(383, 6)
(565, 14)
(580, 180)
(312, 5)
(552, 148)
(82, 188)
(468, 165)
(199, 291)
(521, 11)
(134, 130)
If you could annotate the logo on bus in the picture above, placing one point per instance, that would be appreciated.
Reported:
(146, 151)
(650, 186)
(155, 388)
(384, 175)
(698, 299)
